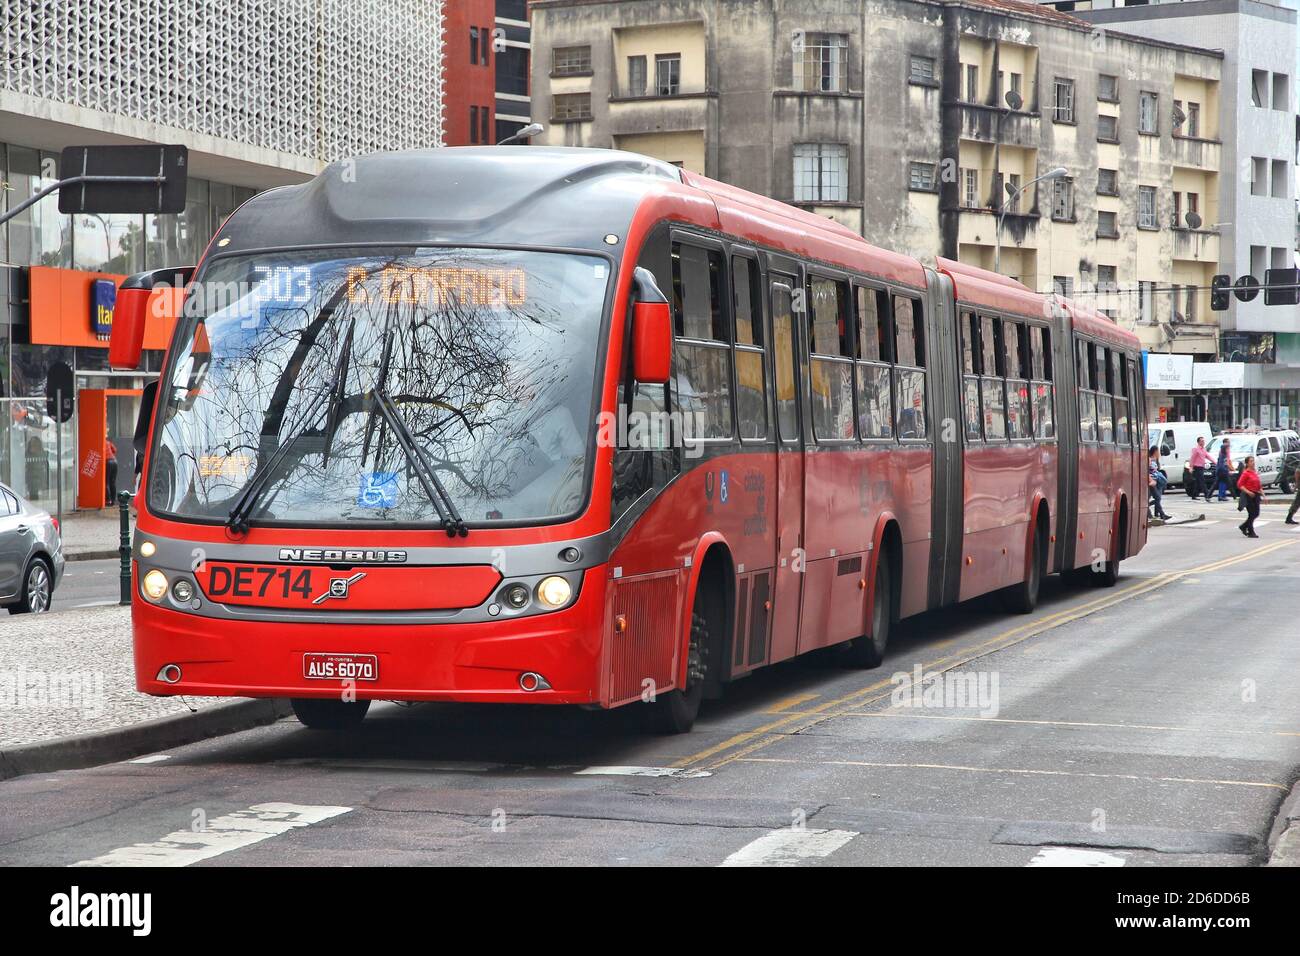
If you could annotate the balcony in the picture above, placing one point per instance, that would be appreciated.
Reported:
(1192, 153)
(686, 110)
(1197, 245)
(990, 124)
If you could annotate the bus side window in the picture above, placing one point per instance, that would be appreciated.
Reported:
(875, 392)
(701, 359)
(909, 375)
(1123, 431)
(1105, 409)
(751, 394)
(1087, 397)
(1044, 395)
(971, 357)
(993, 384)
(1019, 420)
(783, 357)
(830, 346)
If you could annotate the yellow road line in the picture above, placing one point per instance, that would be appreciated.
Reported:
(787, 703)
(1020, 770)
(1073, 723)
(1008, 638)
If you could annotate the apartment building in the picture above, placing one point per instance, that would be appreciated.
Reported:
(1257, 123)
(486, 51)
(257, 105)
(926, 126)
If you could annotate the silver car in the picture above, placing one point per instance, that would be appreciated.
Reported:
(31, 555)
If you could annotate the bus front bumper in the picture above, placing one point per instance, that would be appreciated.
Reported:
(481, 662)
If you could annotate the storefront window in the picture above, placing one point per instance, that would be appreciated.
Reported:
(40, 235)
(108, 242)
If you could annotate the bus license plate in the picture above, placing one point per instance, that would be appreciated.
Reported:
(340, 666)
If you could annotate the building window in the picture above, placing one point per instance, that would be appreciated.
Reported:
(1192, 127)
(636, 76)
(1063, 105)
(1147, 207)
(1106, 279)
(1107, 182)
(570, 60)
(1011, 199)
(920, 69)
(473, 46)
(1107, 129)
(1258, 176)
(1063, 285)
(1280, 178)
(1146, 301)
(1108, 88)
(1148, 115)
(569, 107)
(484, 117)
(920, 177)
(1259, 87)
(473, 124)
(970, 188)
(1063, 200)
(1281, 91)
(821, 63)
(1258, 261)
(972, 83)
(821, 172)
(1107, 225)
(668, 74)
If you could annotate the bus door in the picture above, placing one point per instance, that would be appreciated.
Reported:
(788, 592)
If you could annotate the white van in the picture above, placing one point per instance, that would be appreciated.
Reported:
(1176, 441)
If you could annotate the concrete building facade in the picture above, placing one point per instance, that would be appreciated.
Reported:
(1257, 122)
(908, 119)
(259, 102)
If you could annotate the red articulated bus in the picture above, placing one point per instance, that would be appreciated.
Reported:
(574, 426)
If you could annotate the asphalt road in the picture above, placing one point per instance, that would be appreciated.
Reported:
(87, 584)
(1155, 723)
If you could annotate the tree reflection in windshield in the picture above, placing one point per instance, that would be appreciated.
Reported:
(489, 357)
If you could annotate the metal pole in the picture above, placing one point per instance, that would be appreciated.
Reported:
(124, 543)
(58, 452)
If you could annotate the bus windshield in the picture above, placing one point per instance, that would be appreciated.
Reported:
(289, 366)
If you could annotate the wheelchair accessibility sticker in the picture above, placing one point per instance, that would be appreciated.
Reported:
(378, 489)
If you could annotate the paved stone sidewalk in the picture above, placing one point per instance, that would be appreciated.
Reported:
(72, 673)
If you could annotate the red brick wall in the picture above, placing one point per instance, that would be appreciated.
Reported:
(467, 84)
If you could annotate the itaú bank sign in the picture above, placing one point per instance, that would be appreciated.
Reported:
(71, 307)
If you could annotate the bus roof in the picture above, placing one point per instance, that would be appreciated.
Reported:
(477, 195)
(979, 287)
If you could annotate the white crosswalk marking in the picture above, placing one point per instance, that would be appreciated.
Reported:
(223, 834)
(1072, 856)
(642, 772)
(789, 847)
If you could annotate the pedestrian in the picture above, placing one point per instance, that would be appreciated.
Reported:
(1199, 460)
(110, 467)
(1248, 485)
(1223, 469)
(1295, 505)
(1156, 481)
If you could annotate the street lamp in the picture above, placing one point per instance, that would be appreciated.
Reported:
(529, 131)
(1015, 193)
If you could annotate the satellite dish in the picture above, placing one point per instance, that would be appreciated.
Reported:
(1193, 220)
(1014, 99)
(1179, 116)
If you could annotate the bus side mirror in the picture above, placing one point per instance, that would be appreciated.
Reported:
(133, 309)
(652, 332)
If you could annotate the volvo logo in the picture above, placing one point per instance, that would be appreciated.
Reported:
(342, 556)
(339, 588)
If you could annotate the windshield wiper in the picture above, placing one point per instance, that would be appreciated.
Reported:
(433, 487)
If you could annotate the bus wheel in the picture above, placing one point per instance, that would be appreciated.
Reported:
(869, 649)
(675, 711)
(1022, 598)
(1108, 575)
(329, 714)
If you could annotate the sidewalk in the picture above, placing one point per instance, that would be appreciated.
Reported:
(88, 535)
(72, 673)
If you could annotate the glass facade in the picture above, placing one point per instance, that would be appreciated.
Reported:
(122, 244)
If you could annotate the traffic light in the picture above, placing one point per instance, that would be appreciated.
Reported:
(1219, 292)
(1282, 287)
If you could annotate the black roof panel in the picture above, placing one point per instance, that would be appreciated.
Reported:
(489, 195)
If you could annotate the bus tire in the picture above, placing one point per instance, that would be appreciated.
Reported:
(675, 711)
(1108, 575)
(868, 650)
(329, 714)
(1022, 598)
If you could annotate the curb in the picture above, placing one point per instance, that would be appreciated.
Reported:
(135, 740)
(91, 555)
(1158, 523)
(1284, 838)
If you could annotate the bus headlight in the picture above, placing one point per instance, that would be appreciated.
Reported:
(154, 585)
(554, 592)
